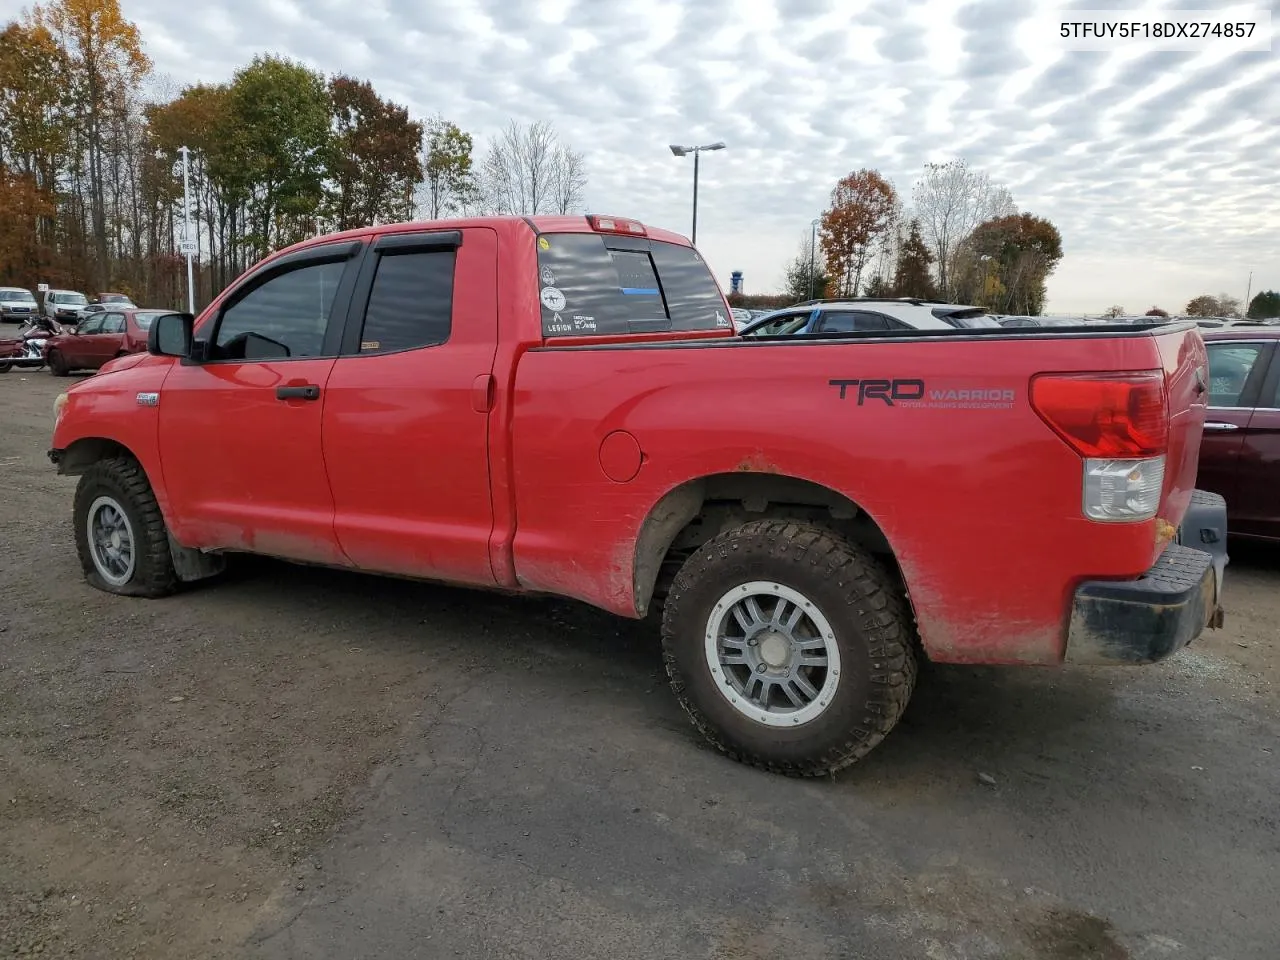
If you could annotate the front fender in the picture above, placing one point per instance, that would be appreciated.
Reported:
(112, 415)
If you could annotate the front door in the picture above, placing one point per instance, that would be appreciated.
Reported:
(406, 419)
(79, 349)
(240, 432)
(1236, 369)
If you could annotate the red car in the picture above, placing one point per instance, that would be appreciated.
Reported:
(100, 338)
(1240, 452)
(554, 405)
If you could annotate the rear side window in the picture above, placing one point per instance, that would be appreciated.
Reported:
(594, 284)
(850, 321)
(411, 303)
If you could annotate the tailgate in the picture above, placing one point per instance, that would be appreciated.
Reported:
(1186, 370)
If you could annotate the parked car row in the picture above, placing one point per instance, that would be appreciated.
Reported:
(18, 304)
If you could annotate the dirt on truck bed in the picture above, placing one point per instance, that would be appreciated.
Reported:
(174, 771)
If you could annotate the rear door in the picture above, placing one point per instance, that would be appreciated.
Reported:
(110, 341)
(1258, 484)
(406, 412)
(1236, 371)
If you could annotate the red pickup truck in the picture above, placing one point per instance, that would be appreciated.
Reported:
(559, 405)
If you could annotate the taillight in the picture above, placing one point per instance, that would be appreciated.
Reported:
(1119, 424)
(1105, 414)
(616, 225)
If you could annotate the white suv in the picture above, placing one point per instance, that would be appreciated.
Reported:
(867, 313)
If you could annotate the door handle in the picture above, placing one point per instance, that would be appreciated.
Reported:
(302, 391)
(1218, 425)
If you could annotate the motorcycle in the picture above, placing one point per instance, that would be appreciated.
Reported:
(27, 350)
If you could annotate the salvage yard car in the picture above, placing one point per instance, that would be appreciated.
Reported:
(100, 338)
(1240, 454)
(551, 405)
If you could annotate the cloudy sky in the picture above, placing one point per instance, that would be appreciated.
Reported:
(1160, 169)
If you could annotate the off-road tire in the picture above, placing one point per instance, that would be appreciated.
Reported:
(58, 366)
(874, 632)
(123, 479)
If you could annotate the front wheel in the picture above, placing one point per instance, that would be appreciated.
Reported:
(6, 366)
(789, 647)
(120, 533)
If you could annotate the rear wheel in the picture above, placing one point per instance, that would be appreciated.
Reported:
(789, 647)
(57, 365)
(121, 537)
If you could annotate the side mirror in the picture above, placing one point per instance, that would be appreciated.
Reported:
(170, 335)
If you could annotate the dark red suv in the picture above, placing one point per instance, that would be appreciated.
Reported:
(1240, 454)
(101, 337)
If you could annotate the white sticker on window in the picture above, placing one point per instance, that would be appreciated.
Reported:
(552, 298)
(548, 278)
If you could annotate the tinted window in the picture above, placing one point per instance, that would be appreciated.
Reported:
(284, 317)
(92, 325)
(785, 324)
(411, 304)
(113, 323)
(1229, 367)
(603, 284)
(848, 321)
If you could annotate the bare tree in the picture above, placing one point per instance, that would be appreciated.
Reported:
(950, 201)
(569, 180)
(528, 171)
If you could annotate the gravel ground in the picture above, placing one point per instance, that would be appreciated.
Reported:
(303, 763)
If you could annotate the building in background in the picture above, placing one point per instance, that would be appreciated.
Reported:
(735, 282)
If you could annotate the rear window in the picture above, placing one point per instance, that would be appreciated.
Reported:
(144, 320)
(597, 284)
(967, 318)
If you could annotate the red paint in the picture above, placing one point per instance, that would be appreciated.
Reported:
(497, 459)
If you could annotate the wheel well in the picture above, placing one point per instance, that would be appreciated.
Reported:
(695, 512)
(85, 452)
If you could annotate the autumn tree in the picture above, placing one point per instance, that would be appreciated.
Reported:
(280, 136)
(1019, 252)
(863, 206)
(1206, 305)
(528, 171)
(373, 165)
(1156, 312)
(911, 275)
(1264, 306)
(450, 181)
(105, 63)
(35, 131)
(951, 200)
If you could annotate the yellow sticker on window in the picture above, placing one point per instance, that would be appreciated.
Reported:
(544, 243)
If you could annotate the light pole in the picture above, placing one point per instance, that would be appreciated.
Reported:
(188, 244)
(680, 151)
(813, 248)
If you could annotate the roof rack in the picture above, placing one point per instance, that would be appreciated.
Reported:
(914, 301)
